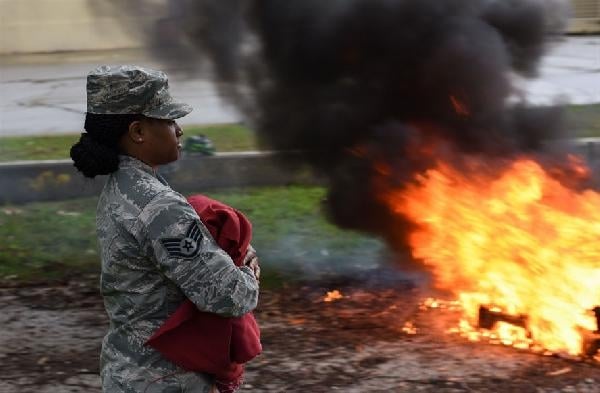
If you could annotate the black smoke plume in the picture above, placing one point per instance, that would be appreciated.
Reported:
(353, 83)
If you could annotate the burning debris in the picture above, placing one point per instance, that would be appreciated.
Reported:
(499, 328)
(409, 328)
(591, 345)
(591, 341)
(488, 318)
(520, 241)
(333, 295)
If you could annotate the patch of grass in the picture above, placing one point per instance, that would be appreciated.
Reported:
(584, 120)
(226, 137)
(292, 234)
(49, 240)
(50, 147)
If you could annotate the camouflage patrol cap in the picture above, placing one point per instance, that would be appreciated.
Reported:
(128, 89)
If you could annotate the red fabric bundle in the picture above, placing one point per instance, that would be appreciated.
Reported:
(206, 342)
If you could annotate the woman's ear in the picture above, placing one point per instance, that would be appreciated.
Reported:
(136, 132)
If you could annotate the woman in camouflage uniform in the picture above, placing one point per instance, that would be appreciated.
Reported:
(155, 251)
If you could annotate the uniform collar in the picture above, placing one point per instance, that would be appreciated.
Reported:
(132, 162)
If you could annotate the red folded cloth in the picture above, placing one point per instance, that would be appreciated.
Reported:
(206, 342)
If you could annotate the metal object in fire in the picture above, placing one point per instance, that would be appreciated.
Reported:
(591, 341)
(488, 318)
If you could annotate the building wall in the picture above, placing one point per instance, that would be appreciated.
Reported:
(30, 26)
(585, 16)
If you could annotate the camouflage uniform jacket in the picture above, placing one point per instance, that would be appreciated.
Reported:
(155, 253)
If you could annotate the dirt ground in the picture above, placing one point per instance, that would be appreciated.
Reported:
(50, 339)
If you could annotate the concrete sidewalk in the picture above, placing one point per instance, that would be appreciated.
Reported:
(45, 94)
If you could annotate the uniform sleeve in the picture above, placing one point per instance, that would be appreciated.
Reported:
(185, 252)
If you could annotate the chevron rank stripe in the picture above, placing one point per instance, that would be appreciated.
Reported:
(184, 247)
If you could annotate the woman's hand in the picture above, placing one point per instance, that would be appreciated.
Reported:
(251, 260)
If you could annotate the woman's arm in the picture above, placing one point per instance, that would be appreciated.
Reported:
(185, 252)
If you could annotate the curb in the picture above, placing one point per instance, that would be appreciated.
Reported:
(52, 180)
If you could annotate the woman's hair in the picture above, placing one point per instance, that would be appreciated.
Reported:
(97, 152)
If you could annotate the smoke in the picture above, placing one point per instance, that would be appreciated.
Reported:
(361, 87)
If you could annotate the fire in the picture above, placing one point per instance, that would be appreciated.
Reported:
(409, 328)
(518, 242)
(333, 295)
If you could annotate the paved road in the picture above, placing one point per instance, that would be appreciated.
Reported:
(570, 72)
(46, 94)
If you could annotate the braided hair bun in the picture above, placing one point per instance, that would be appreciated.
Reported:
(92, 158)
(97, 152)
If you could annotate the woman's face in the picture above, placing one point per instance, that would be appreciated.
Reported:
(161, 140)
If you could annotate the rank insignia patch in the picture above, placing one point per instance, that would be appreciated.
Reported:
(184, 247)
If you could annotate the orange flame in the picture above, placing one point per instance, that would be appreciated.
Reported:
(409, 328)
(333, 295)
(518, 240)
